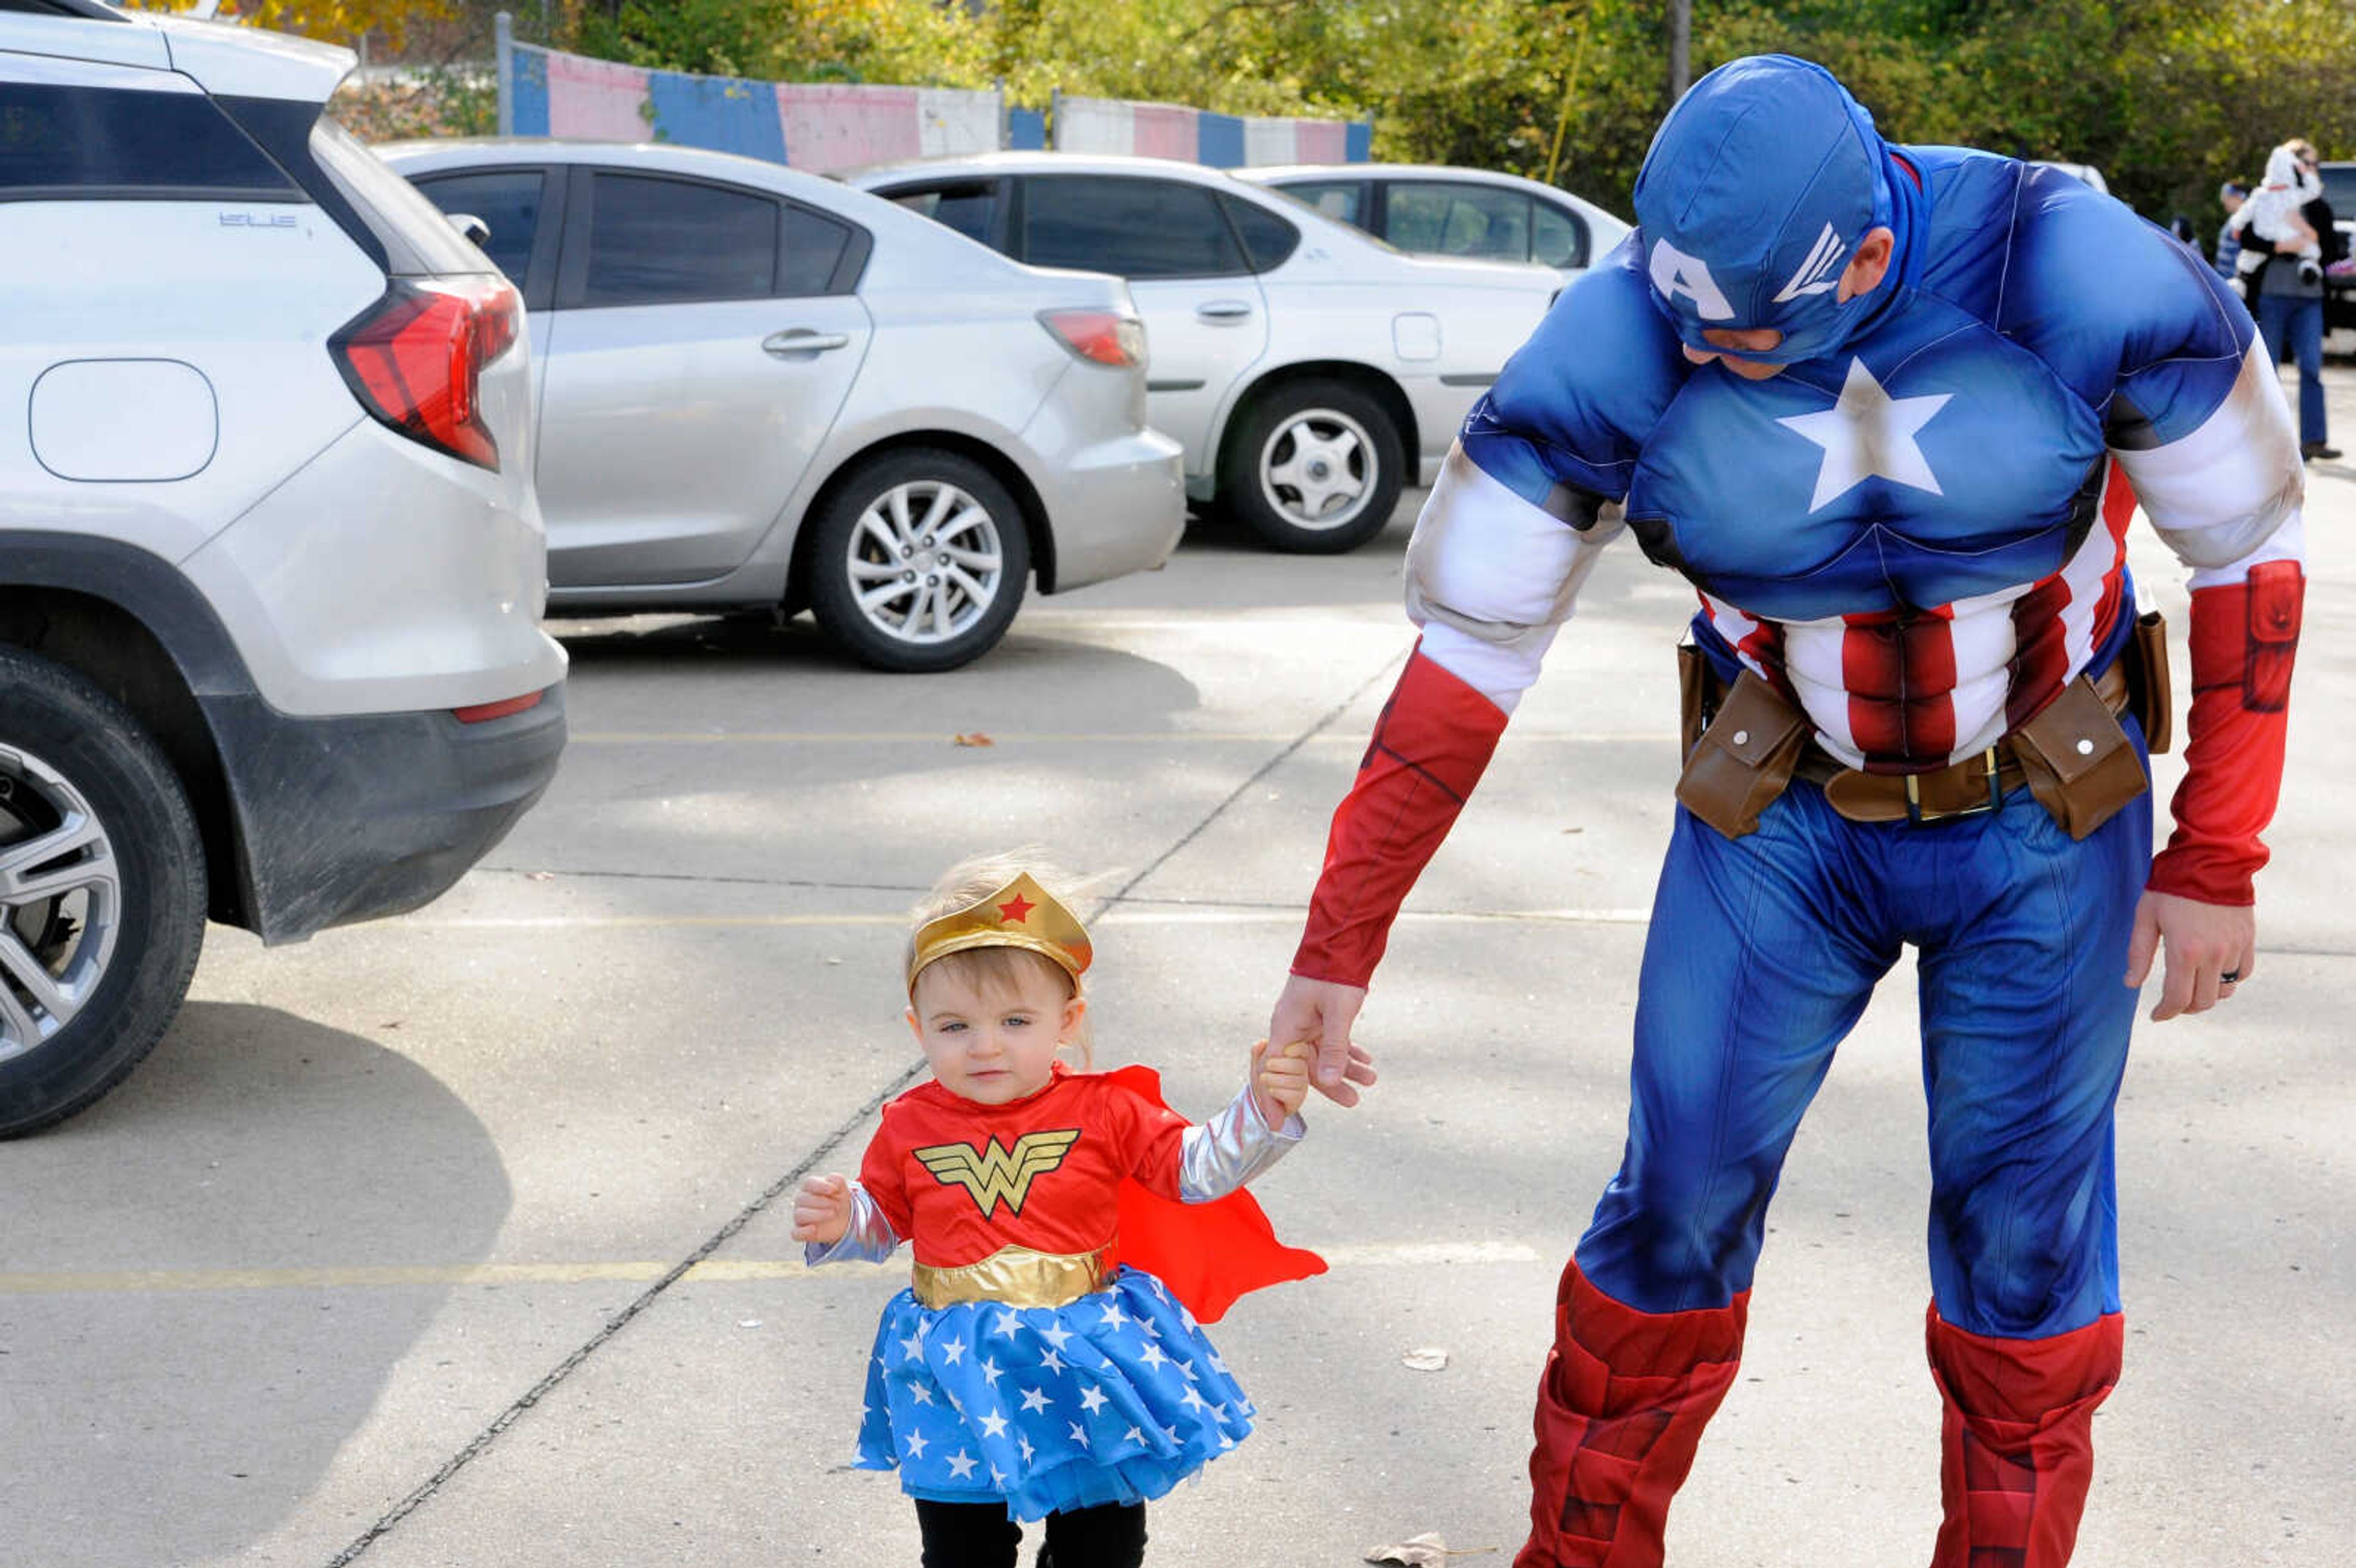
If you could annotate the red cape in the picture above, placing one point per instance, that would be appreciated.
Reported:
(1207, 1254)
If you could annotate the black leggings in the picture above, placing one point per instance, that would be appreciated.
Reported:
(980, 1535)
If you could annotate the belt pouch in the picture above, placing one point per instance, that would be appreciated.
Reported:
(1697, 695)
(2149, 698)
(2077, 760)
(1744, 758)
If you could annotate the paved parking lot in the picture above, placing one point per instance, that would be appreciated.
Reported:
(449, 1240)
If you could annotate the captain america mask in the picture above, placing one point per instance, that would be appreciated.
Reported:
(1758, 189)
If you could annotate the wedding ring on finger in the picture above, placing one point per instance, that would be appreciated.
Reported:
(2230, 977)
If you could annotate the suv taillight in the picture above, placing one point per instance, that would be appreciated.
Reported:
(416, 359)
(1099, 337)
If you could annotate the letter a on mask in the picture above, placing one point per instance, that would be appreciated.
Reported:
(1674, 271)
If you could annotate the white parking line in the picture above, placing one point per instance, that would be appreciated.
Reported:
(1207, 916)
(715, 1271)
(1354, 738)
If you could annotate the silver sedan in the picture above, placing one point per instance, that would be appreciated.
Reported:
(759, 388)
(1309, 369)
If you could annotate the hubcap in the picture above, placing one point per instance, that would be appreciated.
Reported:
(1317, 469)
(926, 562)
(60, 902)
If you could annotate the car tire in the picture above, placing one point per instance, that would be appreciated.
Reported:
(918, 560)
(102, 893)
(1314, 467)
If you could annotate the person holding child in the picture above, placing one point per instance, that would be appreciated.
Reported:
(1071, 1235)
(1881, 405)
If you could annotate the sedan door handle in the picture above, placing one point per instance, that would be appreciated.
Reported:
(803, 340)
(1226, 313)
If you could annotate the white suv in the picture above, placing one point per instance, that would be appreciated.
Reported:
(270, 570)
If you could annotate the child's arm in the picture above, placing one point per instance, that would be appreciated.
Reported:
(1243, 1140)
(836, 1221)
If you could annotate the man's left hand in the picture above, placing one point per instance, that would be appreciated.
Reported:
(2205, 943)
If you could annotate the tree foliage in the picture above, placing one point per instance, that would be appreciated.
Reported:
(334, 21)
(2167, 97)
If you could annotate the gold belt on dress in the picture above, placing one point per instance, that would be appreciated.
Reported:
(1015, 1275)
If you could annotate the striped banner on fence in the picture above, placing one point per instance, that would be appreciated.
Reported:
(1199, 136)
(819, 127)
(825, 127)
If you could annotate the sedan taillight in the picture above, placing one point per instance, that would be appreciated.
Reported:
(1099, 337)
(415, 359)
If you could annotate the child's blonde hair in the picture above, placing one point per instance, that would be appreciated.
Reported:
(992, 971)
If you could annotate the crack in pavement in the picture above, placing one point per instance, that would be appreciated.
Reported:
(483, 1440)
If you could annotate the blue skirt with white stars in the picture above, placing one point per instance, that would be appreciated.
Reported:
(1114, 1398)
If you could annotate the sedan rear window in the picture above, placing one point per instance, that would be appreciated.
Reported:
(1268, 239)
(508, 200)
(971, 209)
(1130, 228)
(653, 241)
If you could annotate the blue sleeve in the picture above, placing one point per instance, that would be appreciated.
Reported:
(2137, 323)
(1574, 405)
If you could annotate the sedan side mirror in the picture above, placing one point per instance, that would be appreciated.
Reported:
(478, 232)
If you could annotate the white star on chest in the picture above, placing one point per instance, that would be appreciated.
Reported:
(1869, 434)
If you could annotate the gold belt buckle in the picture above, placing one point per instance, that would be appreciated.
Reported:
(1990, 766)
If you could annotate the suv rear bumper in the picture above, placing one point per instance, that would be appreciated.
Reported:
(351, 817)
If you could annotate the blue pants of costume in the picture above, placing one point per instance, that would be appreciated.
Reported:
(1762, 953)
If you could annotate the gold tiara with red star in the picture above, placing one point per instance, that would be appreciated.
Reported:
(1019, 914)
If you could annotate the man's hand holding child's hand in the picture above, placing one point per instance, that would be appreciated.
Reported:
(1281, 1079)
(822, 1208)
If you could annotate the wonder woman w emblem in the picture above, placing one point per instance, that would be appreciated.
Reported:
(994, 1174)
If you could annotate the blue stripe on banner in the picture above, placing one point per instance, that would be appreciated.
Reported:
(720, 113)
(528, 91)
(1219, 141)
(1358, 142)
(1026, 130)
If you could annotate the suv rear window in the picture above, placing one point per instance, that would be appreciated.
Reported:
(60, 139)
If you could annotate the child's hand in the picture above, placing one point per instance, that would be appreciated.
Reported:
(822, 1209)
(1281, 1079)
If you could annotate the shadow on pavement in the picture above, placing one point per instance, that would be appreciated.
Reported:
(143, 1421)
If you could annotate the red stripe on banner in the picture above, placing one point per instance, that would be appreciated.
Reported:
(1162, 131)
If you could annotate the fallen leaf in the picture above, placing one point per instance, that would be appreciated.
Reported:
(974, 738)
(540, 876)
(1425, 1550)
(1574, 830)
(1430, 1359)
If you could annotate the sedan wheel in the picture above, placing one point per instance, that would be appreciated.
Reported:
(1314, 467)
(919, 561)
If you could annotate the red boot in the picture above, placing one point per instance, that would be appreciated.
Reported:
(1621, 1407)
(2017, 1452)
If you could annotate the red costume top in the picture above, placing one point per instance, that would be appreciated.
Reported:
(1093, 1160)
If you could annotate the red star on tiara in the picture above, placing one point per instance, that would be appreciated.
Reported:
(1016, 911)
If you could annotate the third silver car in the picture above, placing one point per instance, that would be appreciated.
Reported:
(1309, 369)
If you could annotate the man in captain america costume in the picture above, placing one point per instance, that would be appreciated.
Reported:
(1880, 404)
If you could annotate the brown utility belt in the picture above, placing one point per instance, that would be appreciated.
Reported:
(1745, 744)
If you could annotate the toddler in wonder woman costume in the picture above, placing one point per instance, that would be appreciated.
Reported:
(1071, 1232)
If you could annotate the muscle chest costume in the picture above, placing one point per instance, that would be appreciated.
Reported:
(1916, 532)
(1068, 1245)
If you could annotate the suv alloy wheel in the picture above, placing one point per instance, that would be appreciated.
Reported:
(102, 893)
